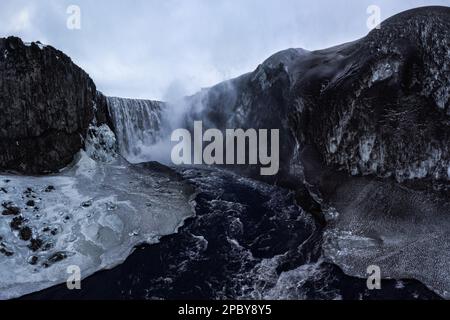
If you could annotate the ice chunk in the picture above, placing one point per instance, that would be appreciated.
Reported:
(101, 144)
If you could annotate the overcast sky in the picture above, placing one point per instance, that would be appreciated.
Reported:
(155, 48)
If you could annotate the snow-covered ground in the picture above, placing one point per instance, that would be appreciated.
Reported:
(90, 215)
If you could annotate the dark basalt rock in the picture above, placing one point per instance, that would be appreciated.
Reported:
(25, 233)
(17, 222)
(57, 257)
(49, 189)
(30, 203)
(33, 260)
(10, 209)
(13, 211)
(86, 204)
(6, 252)
(380, 105)
(377, 106)
(46, 105)
(258, 100)
(102, 115)
(35, 244)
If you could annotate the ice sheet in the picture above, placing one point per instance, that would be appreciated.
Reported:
(91, 216)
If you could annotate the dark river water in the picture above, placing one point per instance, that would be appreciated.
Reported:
(248, 240)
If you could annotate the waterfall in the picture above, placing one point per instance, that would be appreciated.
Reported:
(137, 125)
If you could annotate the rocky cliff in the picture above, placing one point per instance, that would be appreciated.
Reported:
(381, 105)
(377, 106)
(46, 105)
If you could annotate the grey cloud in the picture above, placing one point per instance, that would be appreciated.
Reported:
(143, 48)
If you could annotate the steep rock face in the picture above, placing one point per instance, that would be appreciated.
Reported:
(377, 106)
(46, 105)
(257, 100)
(381, 105)
(102, 114)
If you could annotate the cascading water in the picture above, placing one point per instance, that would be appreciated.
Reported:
(137, 125)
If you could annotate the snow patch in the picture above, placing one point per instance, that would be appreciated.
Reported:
(384, 70)
(37, 43)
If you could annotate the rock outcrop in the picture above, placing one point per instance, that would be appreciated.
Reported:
(258, 100)
(377, 106)
(46, 106)
(381, 105)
